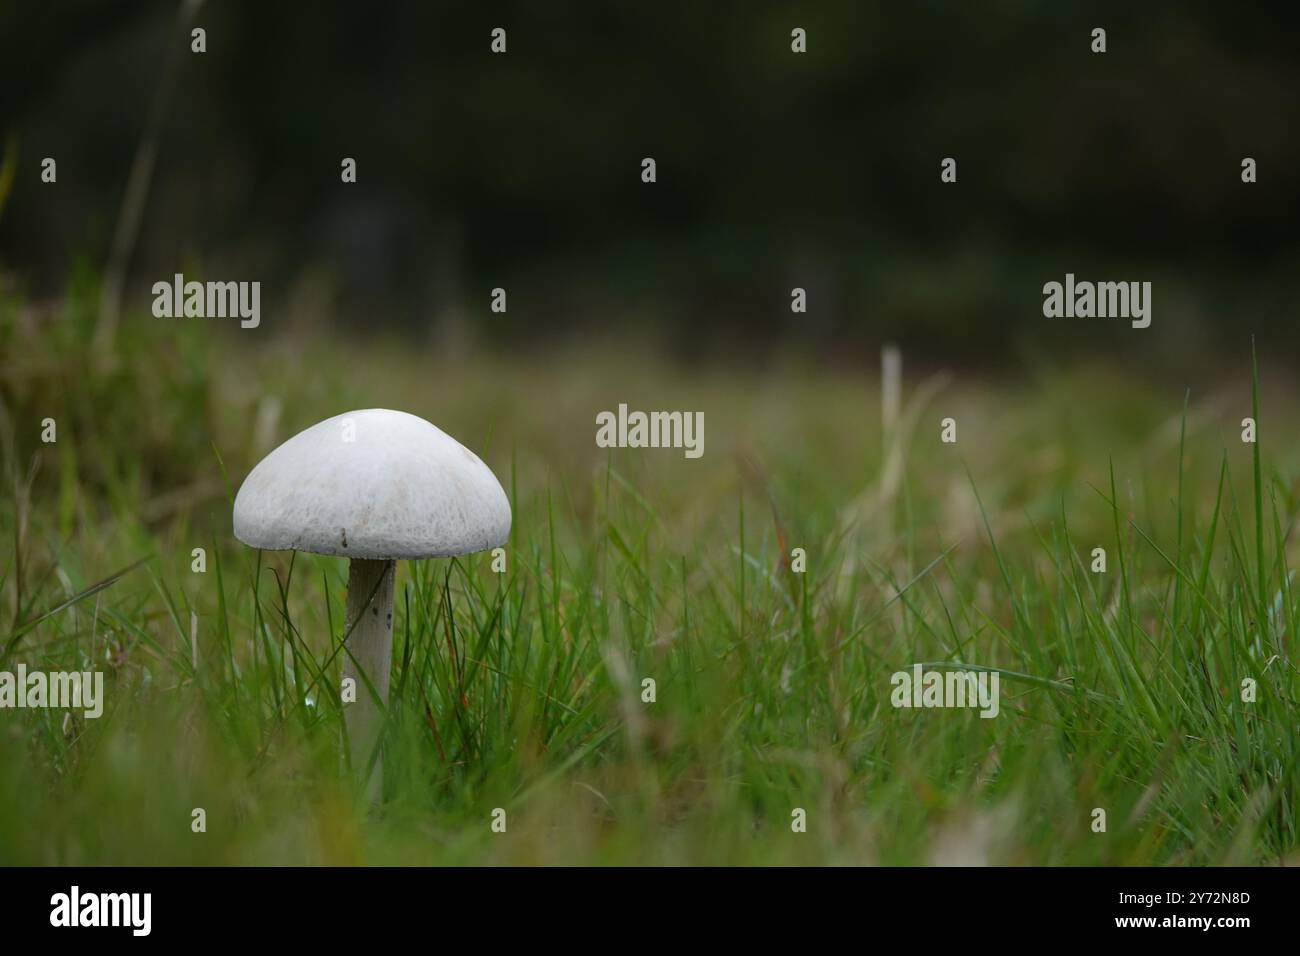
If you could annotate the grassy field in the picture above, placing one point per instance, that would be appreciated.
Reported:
(523, 691)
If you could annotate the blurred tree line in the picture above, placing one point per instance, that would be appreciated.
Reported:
(775, 170)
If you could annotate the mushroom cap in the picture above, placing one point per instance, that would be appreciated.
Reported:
(399, 488)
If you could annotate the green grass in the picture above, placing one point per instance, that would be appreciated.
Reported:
(522, 691)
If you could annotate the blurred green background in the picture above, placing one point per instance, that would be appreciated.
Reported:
(775, 170)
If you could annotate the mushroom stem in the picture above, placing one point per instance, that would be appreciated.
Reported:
(369, 632)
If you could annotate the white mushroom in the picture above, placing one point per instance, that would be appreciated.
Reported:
(373, 486)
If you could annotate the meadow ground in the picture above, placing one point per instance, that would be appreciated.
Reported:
(522, 691)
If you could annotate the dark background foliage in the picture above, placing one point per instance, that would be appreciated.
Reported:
(775, 170)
